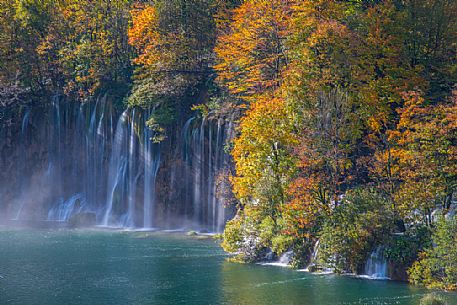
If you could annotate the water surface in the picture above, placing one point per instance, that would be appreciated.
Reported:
(55, 267)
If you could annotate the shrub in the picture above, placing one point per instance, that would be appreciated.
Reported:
(437, 265)
(404, 249)
(281, 243)
(232, 236)
(362, 218)
(432, 299)
(249, 235)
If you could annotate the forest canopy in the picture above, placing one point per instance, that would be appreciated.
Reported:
(346, 111)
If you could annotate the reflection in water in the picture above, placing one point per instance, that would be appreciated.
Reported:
(118, 268)
(255, 284)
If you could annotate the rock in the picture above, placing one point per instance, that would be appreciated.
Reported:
(313, 268)
(270, 256)
(397, 272)
(452, 211)
(82, 220)
(192, 233)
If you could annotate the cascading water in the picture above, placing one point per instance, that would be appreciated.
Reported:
(283, 261)
(376, 265)
(205, 156)
(22, 160)
(314, 263)
(117, 169)
(130, 217)
(64, 210)
(198, 136)
(151, 168)
(128, 153)
(85, 158)
(82, 135)
(315, 254)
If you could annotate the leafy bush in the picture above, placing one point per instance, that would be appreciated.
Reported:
(403, 249)
(232, 236)
(281, 243)
(437, 265)
(249, 235)
(362, 218)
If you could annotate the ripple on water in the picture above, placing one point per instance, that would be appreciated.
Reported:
(113, 282)
(86, 268)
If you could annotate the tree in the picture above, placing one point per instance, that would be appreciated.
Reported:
(431, 43)
(425, 152)
(86, 50)
(23, 23)
(262, 156)
(174, 42)
(252, 53)
(437, 265)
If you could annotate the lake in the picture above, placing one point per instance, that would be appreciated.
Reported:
(56, 267)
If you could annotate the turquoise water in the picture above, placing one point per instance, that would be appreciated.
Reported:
(65, 267)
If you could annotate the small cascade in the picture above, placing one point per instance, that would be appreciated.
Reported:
(63, 210)
(313, 260)
(284, 260)
(376, 265)
(314, 264)
(315, 254)
(22, 168)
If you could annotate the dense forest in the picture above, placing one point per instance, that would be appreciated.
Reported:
(346, 111)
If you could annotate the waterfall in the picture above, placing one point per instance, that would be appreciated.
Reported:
(284, 260)
(376, 265)
(151, 168)
(91, 158)
(22, 160)
(124, 172)
(219, 213)
(65, 209)
(204, 157)
(187, 158)
(313, 265)
(210, 180)
(117, 168)
(130, 217)
(315, 253)
(214, 200)
(55, 159)
(198, 136)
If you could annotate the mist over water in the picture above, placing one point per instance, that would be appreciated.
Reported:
(91, 158)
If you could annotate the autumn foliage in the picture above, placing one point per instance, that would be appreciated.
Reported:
(345, 112)
(252, 52)
(338, 101)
